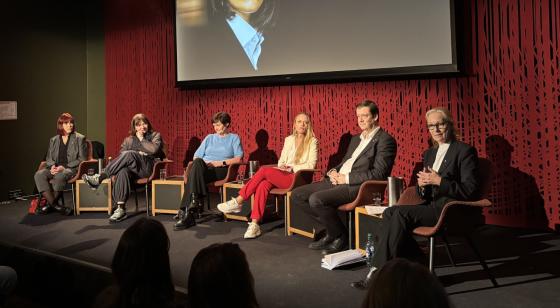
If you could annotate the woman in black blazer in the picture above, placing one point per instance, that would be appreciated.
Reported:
(66, 150)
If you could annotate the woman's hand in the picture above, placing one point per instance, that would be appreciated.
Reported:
(428, 177)
(215, 164)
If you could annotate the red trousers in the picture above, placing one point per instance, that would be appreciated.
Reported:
(260, 185)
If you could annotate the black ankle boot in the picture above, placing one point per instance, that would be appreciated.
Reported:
(186, 221)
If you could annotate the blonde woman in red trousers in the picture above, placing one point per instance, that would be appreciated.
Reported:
(299, 152)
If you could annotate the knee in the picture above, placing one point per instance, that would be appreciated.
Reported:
(315, 201)
(297, 194)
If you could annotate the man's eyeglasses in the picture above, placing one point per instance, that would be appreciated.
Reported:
(439, 126)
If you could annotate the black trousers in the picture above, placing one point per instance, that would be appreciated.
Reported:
(395, 239)
(199, 177)
(126, 168)
(322, 199)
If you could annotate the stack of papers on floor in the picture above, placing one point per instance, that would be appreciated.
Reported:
(342, 258)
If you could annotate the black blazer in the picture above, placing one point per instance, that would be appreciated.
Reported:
(459, 175)
(374, 163)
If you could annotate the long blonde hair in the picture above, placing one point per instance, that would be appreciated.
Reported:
(309, 135)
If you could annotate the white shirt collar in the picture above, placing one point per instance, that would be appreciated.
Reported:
(249, 38)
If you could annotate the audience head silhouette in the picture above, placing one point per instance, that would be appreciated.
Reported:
(141, 266)
(405, 284)
(221, 267)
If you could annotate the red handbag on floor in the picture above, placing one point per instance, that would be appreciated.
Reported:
(36, 202)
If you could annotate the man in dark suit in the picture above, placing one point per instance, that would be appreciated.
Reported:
(450, 173)
(370, 156)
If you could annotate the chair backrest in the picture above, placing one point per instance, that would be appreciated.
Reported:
(98, 150)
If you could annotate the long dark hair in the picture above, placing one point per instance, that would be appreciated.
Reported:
(404, 284)
(221, 267)
(141, 265)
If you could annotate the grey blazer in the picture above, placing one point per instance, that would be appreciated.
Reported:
(374, 163)
(77, 150)
(152, 144)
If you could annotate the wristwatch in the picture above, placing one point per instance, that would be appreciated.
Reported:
(224, 163)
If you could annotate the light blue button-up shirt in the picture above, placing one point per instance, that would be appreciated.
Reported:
(249, 38)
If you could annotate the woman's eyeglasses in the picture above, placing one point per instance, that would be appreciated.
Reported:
(435, 126)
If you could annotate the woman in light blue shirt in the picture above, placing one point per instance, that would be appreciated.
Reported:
(211, 161)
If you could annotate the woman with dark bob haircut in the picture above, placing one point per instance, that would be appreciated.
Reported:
(66, 150)
(220, 277)
(405, 284)
(139, 151)
(211, 160)
(141, 268)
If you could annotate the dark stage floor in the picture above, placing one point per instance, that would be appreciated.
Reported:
(288, 274)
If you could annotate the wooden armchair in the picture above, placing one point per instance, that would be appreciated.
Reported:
(231, 175)
(365, 196)
(457, 218)
(301, 177)
(82, 169)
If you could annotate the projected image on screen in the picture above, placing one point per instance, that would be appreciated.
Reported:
(223, 39)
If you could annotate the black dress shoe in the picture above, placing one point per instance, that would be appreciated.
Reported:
(337, 245)
(364, 284)
(66, 211)
(186, 222)
(322, 243)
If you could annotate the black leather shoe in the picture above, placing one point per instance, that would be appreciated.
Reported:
(364, 284)
(66, 211)
(43, 210)
(322, 243)
(337, 245)
(185, 223)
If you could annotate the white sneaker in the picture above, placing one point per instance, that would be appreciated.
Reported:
(253, 231)
(118, 215)
(230, 206)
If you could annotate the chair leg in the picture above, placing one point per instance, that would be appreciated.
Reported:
(431, 256)
(73, 200)
(350, 228)
(147, 202)
(136, 198)
(481, 260)
(448, 249)
(286, 233)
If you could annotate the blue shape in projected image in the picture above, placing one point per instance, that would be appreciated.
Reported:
(247, 19)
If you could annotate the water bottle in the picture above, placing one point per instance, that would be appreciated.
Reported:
(370, 250)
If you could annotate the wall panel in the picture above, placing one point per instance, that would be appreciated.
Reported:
(507, 106)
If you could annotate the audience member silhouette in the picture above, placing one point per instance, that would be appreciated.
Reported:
(220, 277)
(404, 284)
(8, 281)
(140, 269)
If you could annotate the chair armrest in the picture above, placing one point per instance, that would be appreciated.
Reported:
(410, 197)
(159, 165)
(461, 223)
(302, 177)
(232, 172)
(365, 194)
(42, 165)
(82, 169)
